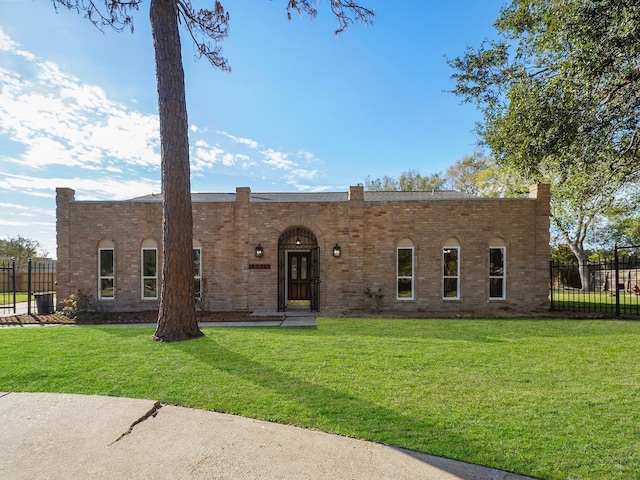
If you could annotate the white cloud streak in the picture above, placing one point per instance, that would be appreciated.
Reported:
(88, 189)
(52, 121)
(6, 44)
(58, 131)
(61, 121)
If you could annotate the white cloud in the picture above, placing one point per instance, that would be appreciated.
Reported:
(88, 188)
(306, 155)
(22, 223)
(14, 206)
(283, 164)
(77, 121)
(243, 141)
(54, 125)
(204, 156)
(228, 160)
(311, 188)
(6, 44)
(304, 174)
(277, 159)
(25, 54)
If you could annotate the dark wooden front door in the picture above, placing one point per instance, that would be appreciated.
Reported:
(299, 263)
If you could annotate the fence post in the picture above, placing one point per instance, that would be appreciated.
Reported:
(617, 266)
(551, 284)
(13, 278)
(29, 287)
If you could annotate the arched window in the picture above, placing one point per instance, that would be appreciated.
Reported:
(149, 269)
(497, 269)
(405, 269)
(451, 269)
(106, 270)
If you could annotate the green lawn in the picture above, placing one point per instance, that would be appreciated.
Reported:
(546, 398)
(7, 298)
(596, 301)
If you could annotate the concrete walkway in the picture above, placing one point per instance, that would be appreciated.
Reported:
(80, 437)
(21, 309)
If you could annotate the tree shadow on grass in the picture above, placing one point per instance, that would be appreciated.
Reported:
(325, 408)
(272, 391)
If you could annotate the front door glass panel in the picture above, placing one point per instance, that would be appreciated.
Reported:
(299, 288)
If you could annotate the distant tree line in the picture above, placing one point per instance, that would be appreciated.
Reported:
(474, 174)
(21, 249)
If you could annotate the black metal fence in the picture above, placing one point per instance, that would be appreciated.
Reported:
(607, 286)
(28, 289)
(8, 287)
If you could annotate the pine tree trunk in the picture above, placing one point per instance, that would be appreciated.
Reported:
(177, 315)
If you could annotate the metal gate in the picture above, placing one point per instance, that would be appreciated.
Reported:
(8, 287)
(41, 287)
(299, 239)
(613, 284)
(314, 278)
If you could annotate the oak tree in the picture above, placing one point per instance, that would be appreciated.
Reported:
(206, 27)
(558, 93)
(558, 83)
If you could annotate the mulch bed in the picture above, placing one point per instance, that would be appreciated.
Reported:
(125, 318)
(52, 319)
(152, 317)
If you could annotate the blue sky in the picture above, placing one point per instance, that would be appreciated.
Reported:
(301, 110)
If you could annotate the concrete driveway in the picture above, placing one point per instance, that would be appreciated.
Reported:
(51, 436)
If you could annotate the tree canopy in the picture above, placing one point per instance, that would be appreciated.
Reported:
(559, 85)
(558, 93)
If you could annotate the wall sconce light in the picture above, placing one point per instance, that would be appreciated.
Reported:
(259, 251)
(337, 251)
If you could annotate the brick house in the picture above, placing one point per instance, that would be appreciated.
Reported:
(425, 251)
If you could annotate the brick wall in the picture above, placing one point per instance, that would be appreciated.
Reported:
(368, 233)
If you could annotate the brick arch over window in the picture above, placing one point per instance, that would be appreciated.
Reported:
(297, 238)
(303, 239)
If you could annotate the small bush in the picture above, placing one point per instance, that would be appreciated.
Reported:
(80, 308)
(376, 296)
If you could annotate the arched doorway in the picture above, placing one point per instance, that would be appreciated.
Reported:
(298, 269)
